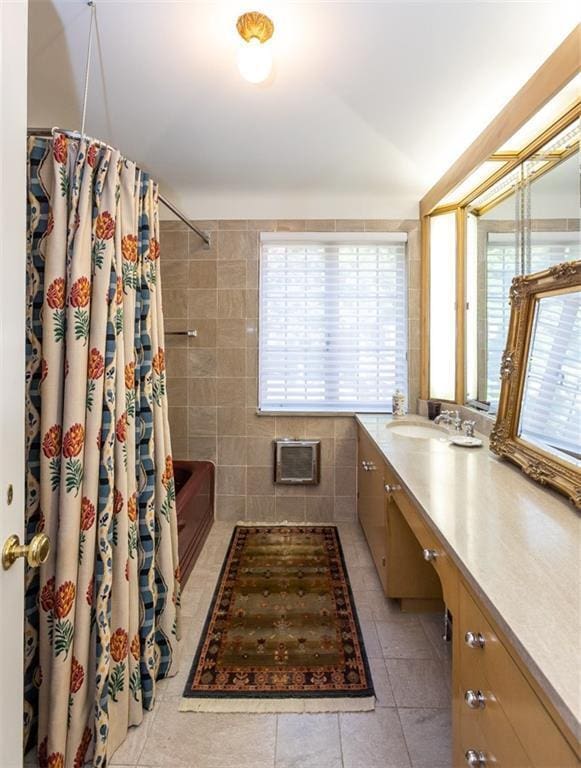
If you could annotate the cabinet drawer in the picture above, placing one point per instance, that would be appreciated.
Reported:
(492, 670)
(489, 731)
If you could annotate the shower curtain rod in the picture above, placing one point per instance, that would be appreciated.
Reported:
(48, 132)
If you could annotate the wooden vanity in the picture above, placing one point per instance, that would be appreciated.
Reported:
(513, 706)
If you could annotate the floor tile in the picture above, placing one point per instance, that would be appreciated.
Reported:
(370, 639)
(433, 624)
(169, 738)
(403, 637)
(381, 684)
(428, 735)
(308, 741)
(419, 682)
(185, 739)
(379, 606)
(373, 740)
(130, 751)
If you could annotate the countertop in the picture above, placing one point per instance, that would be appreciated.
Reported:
(517, 544)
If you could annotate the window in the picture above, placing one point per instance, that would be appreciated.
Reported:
(443, 306)
(503, 263)
(332, 328)
(551, 407)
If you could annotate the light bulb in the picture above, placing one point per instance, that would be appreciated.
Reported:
(255, 61)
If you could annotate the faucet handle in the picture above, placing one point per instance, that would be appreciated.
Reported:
(468, 427)
(456, 420)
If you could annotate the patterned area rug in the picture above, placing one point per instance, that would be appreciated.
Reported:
(282, 634)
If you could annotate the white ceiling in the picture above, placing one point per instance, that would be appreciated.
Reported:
(369, 105)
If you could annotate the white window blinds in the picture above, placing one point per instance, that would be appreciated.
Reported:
(551, 410)
(503, 262)
(332, 328)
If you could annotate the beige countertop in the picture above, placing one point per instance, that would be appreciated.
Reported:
(517, 544)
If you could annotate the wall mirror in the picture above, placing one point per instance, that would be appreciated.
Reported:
(538, 425)
(527, 222)
(508, 207)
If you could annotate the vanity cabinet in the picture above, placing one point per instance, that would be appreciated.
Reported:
(396, 552)
(371, 505)
(501, 715)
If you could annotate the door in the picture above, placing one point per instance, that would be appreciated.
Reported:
(13, 48)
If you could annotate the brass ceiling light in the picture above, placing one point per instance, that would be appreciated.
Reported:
(255, 57)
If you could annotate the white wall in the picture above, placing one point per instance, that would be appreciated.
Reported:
(13, 45)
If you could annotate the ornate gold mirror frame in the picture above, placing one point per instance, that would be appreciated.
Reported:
(538, 464)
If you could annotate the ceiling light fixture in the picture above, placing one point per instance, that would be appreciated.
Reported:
(255, 57)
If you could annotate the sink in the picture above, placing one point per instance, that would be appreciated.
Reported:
(418, 430)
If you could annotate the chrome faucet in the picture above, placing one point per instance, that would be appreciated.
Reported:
(450, 418)
(443, 416)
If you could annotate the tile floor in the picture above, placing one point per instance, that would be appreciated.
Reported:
(410, 665)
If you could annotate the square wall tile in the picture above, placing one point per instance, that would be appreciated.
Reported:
(201, 420)
(231, 481)
(232, 452)
(231, 420)
(289, 509)
(237, 246)
(202, 274)
(231, 391)
(259, 481)
(231, 508)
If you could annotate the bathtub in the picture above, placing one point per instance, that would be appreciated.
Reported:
(194, 482)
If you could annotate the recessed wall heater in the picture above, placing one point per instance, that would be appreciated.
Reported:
(297, 462)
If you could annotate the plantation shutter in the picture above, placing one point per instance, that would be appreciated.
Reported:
(332, 328)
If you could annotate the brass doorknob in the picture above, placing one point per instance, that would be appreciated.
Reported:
(35, 553)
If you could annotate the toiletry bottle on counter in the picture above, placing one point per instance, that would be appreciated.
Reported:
(398, 403)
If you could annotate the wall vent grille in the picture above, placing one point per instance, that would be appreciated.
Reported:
(297, 462)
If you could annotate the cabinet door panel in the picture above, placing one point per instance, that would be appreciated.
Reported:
(372, 504)
(409, 575)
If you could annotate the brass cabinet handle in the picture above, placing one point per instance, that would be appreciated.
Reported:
(474, 699)
(474, 640)
(475, 758)
(35, 553)
(430, 555)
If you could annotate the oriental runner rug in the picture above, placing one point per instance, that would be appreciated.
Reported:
(281, 634)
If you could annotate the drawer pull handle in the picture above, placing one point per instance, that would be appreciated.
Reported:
(391, 488)
(474, 640)
(475, 759)
(365, 466)
(475, 699)
(430, 555)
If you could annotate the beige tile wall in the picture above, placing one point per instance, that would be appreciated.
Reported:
(212, 380)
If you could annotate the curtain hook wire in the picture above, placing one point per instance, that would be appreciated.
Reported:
(93, 6)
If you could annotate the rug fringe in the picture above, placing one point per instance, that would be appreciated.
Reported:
(289, 523)
(273, 706)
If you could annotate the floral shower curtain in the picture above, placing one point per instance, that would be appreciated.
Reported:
(101, 620)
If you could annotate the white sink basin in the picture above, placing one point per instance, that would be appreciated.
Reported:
(418, 430)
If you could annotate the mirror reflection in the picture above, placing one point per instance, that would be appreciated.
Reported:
(528, 222)
(550, 415)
